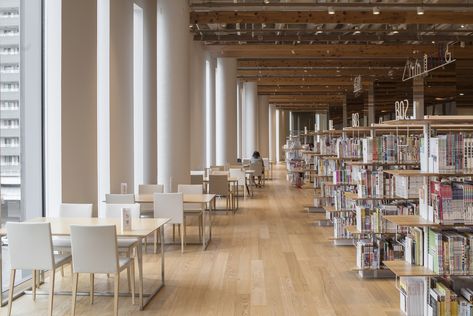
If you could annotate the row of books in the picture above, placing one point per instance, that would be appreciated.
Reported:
(339, 225)
(391, 149)
(349, 147)
(412, 295)
(341, 202)
(371, 253)
(342, 176)
(407, 187)
(326, 167)
(448, 153)
(374, 184)
(371, 220)
(451, 202)
(327, 145)
(414, 246)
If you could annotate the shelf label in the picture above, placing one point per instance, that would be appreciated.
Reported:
(400, 109)
(357, 84)
(355, 119)
(421, 67)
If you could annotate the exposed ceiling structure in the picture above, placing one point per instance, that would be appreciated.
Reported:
(306, 54)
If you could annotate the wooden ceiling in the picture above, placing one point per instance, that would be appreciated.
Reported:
(305, 59)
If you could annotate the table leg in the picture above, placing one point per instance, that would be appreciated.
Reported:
(162, 256)
(139, 254)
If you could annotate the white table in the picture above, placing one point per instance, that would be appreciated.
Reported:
(141, 228)
(204, 199)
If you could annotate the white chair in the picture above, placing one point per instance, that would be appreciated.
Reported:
(267, 168)
(240, 175)
(75, 210)
(94, 250)
(119, 198)
(192, 209)
(258, 167)
(218, 185)
(170, 205)
(147, 208)
(70, 210)
(31, 248)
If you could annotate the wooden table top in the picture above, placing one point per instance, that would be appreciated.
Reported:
(141, 227)
(188, 198)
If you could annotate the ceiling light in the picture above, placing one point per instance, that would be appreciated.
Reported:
(266, 1)
(462, 26)
(376, 10)
(318, 32)
(331, 10)
(433, 42)
(395, 32)
(356, 32)
(420, 11)
(461, 94)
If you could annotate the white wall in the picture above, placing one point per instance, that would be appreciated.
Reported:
(250, 118)
(263, 125)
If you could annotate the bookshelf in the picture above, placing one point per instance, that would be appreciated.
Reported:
(439, 243)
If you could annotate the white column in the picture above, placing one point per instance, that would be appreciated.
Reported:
(79, 102)
(272, 132)
(121, 95)
(226, 111)
(371, 115)
(321, 121)
(240, 118)
(197, 106)
(418, 96)
(250, 123)
(344, 110)
(263, 125)
(291, 122)
(210, 110)
(173, 94)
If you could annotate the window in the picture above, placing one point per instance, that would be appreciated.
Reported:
(21, 192)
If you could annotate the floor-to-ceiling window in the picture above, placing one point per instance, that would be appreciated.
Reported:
(21, 106)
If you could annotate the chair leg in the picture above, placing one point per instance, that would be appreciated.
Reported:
(75, 279)
(132, 267)
(33, 288)
(12, 287)
(182, 238)
(115, 294)
(185, 231)
(128, 273)
(173, 233)
(200, 219)
(91, 288)
(156, 241)
(52, 278)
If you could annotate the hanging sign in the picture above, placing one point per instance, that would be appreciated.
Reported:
(421, 67)
(357, 84)
(355, 120)
(330, 124)
(400, 109)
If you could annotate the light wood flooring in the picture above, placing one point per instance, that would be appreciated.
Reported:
(268, 259)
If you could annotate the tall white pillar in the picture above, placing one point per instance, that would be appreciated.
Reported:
(263, 125)
(240, 118)
(250, 118)
(197, 106)
(272, 132)
(210, 110)
(344, 110)
(226, 111)
(321, 121)
(371, 115)
(173, 94)
(418, 96)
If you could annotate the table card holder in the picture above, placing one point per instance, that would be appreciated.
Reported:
(123, 188)
(126, 219)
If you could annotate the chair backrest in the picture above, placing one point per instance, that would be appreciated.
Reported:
(169, 205)
(115, 210)
(246, 161)
(191, 189)
(219, 173)
(119, 198)
(266, 163)
(257, 166)
(197, 172)
(30, 246)
(239, 174)
(217, 168)
(75, 210)
(218, 184)
(150, 188)
(94, 249)
(197, 179)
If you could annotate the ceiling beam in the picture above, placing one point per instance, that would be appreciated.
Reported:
(339, 17)
(322, 63)
(361, 51)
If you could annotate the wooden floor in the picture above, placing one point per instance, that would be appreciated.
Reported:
(268, 259)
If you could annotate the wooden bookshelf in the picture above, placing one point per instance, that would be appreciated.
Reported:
(354, 197)
(353, 230)
(409, 220)
(382, 164)
(339, 184)
(331, 209)
(402, 268)
(418, 173)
